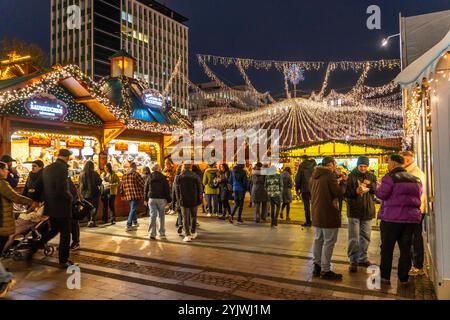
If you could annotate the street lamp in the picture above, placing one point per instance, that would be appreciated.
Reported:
(386, 40)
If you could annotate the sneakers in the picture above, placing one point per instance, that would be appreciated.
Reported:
(209, 215)
(163, 238)
(136, 225)
(317, 270)
(187, 239)
(180, 230)
(417, 272)
(130, 229)
(113, 222)
(194, 236)
(330, 275)
(353, 268)
(152, 238)
(6, 286)
(240, 221)
(75, 246)
(230, 220)
(91, 224)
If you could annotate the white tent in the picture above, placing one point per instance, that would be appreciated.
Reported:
(425, 65)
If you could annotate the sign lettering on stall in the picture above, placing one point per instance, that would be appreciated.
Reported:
(121, 146)
(40, 141)
(75, 144)
(46, 106)
(142, 147)
(153, 99)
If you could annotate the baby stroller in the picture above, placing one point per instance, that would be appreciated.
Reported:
(29, 228)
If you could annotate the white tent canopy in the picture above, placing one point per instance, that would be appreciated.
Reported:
(425, 65)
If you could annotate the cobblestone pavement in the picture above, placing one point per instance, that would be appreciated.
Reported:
(248, 261)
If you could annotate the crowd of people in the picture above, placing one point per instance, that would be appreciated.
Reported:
(182, 190)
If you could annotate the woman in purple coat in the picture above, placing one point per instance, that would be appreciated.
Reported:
(400, 193)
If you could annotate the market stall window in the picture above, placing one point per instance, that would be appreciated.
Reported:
(27, 146)
(121, 153)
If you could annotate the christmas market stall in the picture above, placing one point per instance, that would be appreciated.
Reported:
(426, 87)
(346, 153)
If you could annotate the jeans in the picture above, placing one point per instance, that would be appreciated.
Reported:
(324, 242)
(157, 210)
(274, 209)
(179, 222)
(417, 245)
(358, 239)
(226, 207)
(5, 276)
(109, 202)
(213, 205)
(260, 211)
(306, 197)
(189, 220)
(75, 231)
(238, 203)
(132, 217)
(402, 234)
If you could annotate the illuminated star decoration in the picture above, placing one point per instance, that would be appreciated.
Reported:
(295, 74)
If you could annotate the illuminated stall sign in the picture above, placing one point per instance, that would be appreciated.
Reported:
(46, 106)
(121, 146)
(40, 141)
(153, 99)
(75, 144)
(144, 148)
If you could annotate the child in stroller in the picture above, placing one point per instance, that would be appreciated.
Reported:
(30, 226)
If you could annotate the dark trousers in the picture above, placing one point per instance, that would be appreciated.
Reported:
(392, 233)
(274, 210)
(226, 207)
(417, 245)
(306, 197)
(288, 210)
(238, 203)
(109, 202)
(61, 226)
(3, 241)
(93, 213)
(75, 231)
(189, 220)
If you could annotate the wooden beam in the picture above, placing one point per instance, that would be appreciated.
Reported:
(85, 100)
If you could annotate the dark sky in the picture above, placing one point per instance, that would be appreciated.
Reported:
(264, 29)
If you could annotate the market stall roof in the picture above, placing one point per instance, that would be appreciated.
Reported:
(71, 78)
(126, 94)
(425, 65)
(338, 148)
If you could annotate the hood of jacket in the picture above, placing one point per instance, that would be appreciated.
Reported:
(308, 164)
(157, 176)
(320, 171)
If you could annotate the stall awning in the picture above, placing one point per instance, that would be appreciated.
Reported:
(425, 65)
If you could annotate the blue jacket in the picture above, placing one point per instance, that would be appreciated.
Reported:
(238, 178)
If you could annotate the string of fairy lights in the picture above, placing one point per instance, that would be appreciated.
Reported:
(11, 101)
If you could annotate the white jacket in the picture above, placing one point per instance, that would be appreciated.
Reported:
(416, 172)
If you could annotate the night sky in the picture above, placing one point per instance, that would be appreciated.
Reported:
(261, 29)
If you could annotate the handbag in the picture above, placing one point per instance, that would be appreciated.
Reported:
(81, 209)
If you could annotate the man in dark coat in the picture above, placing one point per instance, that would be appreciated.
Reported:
(361, 188)
(189, 195)
(34, 181)
(325, 190)
(58, 206)
(13, 176)
(302, 179)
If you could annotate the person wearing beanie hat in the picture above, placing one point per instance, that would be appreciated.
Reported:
(326, 218)
(13, 176)
(400, 214)
(360, 197)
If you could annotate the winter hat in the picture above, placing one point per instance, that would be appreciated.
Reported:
(397, 158)
(327, 160)
(363, 160)
(39, 163)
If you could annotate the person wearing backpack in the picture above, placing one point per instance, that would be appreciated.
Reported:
(211, 181)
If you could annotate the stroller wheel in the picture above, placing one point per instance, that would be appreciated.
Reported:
(49, 250)
(17, 255)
